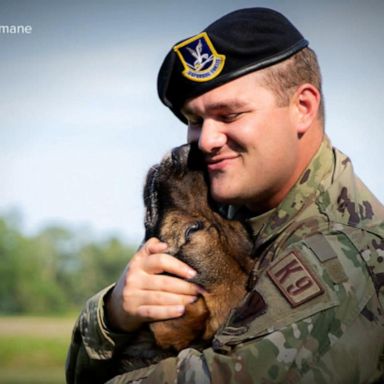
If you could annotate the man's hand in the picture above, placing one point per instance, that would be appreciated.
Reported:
(144, 294)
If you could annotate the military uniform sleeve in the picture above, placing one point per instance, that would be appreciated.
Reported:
(323, 324)
(89, 357)
(314, 350)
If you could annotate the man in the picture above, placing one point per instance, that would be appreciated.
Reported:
(249, 89)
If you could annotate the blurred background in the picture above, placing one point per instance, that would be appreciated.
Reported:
(81, 124)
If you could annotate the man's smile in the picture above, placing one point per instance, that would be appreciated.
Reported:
(218, 163)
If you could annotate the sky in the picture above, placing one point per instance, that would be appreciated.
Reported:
(81, 122)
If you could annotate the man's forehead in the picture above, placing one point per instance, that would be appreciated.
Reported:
(234, 95)
(227, 96)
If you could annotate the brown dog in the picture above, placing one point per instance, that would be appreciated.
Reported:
(180, 212)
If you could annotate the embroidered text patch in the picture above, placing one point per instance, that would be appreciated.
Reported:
(294, 280)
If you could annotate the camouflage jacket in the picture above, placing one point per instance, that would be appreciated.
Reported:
(320, 271)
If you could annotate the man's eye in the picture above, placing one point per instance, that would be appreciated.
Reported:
(230, 117)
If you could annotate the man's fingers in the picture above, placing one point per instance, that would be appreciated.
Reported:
(156, 260)
(170, 284)
(147, 292)
(155, 305)
(142, 285)
(153, 312)
(164, 298)
(154, 245)
(162, 262)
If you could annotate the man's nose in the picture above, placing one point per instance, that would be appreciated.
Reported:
(211, 136)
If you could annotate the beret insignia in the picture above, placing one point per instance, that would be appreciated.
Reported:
(200, 60)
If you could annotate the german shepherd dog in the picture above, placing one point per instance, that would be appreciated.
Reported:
(180, 212)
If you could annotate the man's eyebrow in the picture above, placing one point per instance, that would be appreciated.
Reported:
(226, 106)
(230, 105)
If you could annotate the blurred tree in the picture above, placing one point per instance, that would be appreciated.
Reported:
(101, 265)
(56, 270)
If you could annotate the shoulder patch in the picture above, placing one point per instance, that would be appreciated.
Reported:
(320, 247)
(294, 280)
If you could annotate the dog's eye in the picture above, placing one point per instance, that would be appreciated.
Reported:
(192, 229)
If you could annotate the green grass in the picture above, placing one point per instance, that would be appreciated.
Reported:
(33, 349)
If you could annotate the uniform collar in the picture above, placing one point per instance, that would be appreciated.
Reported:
(314, 180)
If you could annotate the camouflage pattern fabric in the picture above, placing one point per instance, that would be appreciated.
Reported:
(320, 269)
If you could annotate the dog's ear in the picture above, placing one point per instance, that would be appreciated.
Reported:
(151, 203)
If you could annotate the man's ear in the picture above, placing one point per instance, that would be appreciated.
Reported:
(305, 103)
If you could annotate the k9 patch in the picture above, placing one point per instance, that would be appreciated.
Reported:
(295, 281)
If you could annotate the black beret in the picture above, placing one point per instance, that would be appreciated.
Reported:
(240, 42)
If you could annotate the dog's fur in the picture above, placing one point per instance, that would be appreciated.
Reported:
(180, 212)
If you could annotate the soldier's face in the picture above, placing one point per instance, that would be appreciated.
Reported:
(250, 143)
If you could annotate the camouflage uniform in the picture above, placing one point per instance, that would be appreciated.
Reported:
(320, 269)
